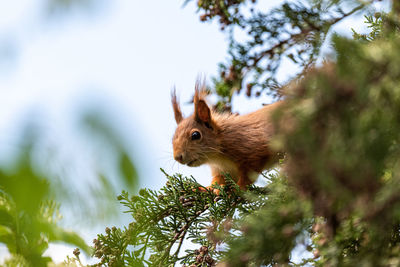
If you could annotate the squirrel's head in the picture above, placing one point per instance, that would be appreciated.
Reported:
(195, 138)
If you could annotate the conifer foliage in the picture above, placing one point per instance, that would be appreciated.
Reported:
(182, 211)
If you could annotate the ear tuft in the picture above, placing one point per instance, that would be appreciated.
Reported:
(176, 107)
(200, 90)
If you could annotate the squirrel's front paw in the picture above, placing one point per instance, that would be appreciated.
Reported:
(214, 190)
(209, 189)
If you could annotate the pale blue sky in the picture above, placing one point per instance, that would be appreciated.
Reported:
(124, 56)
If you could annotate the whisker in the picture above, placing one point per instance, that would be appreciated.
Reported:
(166, 152)
(173, 164)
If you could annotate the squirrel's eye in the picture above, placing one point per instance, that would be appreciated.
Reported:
(196, 135)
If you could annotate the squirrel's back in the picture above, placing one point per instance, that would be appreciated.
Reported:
(245, 139)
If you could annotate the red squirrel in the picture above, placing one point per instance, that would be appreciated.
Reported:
(228, 143)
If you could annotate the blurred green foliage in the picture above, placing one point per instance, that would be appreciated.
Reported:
(99, 127)
(28, 217)
(30, 190)
(60, 7)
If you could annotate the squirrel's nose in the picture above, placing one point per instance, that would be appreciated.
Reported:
(179, 158)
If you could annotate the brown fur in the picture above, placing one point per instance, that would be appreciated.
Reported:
(234, 144)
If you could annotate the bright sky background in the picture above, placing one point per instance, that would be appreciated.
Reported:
(123, 56)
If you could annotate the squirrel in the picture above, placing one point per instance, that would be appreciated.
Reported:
(229, 143)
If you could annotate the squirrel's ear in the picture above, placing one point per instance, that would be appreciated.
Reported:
(203, 112)
(175, 106)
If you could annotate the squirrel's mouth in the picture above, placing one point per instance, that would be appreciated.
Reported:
(193, 163)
